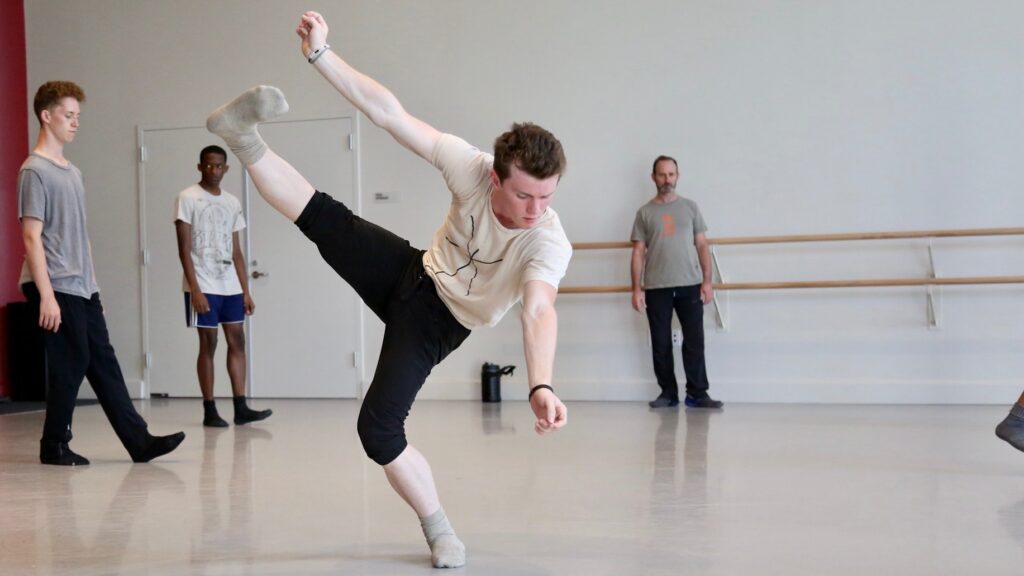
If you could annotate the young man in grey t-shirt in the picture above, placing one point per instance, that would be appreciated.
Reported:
(671, 270)
(59, 281)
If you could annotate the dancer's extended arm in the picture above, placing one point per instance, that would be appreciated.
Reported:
(540, 335)
(365, 93)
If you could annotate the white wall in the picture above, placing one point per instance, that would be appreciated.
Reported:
(787, 116)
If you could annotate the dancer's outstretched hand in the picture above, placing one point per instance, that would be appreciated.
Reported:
(313, 31)
(551, 413)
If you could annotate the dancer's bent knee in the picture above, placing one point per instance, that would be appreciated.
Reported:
(383, 441)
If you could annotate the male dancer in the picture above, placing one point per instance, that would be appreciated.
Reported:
(499, 244)
(59, 281)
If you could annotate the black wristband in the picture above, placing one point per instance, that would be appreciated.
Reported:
(538, 387)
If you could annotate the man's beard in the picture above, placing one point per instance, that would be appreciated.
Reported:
(666, 189)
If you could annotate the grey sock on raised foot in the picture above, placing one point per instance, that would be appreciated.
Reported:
(446, 550)
(236, 121)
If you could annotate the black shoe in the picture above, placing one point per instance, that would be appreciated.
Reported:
(705, 402)
(663, 402)
(215, 421)
(246, 415)
(158, 446)
(59, 454)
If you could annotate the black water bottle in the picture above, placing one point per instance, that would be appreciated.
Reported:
(490, 381)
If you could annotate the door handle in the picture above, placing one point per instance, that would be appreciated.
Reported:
(257, 274)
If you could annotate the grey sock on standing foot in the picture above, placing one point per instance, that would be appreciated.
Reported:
(1011, 428)
(236, 121)
(446, 550)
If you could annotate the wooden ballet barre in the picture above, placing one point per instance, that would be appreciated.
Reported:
(967, 280)
(827, 237)
(869, 236)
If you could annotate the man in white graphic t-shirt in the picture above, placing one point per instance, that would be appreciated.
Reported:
(208, 221)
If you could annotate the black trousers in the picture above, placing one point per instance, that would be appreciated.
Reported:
(79, 349)
(419, 333)
(685, 300)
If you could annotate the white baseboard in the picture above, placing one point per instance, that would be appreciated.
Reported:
(137, 389)
(872, 392)
(761, 391)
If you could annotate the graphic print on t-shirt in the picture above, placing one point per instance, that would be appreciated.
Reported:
(471, 254)
(668, 226)
(211, 239)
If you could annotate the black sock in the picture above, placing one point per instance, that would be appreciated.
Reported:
(210, 416)
(244, 414)
(60, 454)
(157, 446)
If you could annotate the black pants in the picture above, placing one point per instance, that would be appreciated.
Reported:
(685, 300)
(79, 349)
(388, 275)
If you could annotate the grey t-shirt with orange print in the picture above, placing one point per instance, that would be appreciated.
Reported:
(669, 230)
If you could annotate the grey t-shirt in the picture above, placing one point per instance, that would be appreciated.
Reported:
(55, 194)
(668, 231)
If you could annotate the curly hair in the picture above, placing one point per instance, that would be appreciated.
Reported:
(51, 93)
(530, 148)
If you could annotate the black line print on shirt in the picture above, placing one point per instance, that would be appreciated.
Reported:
(212, 228)
(471, 254)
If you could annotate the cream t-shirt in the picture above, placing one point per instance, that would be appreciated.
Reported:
(478, 265)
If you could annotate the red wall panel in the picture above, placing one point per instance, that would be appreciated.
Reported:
(13, 150)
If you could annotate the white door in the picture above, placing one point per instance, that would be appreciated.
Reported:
(168, 166)
(305, 333)
(303, 339)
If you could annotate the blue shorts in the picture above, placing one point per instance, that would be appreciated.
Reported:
(223, 310)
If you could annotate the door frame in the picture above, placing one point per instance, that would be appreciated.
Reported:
(140, 178)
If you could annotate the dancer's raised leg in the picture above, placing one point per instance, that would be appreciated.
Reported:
(281, 185)
(277, 181)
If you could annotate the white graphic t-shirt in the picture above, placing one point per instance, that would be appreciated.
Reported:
(478, 265)
(214, 220)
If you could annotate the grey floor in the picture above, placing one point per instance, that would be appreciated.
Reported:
(755, 489)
